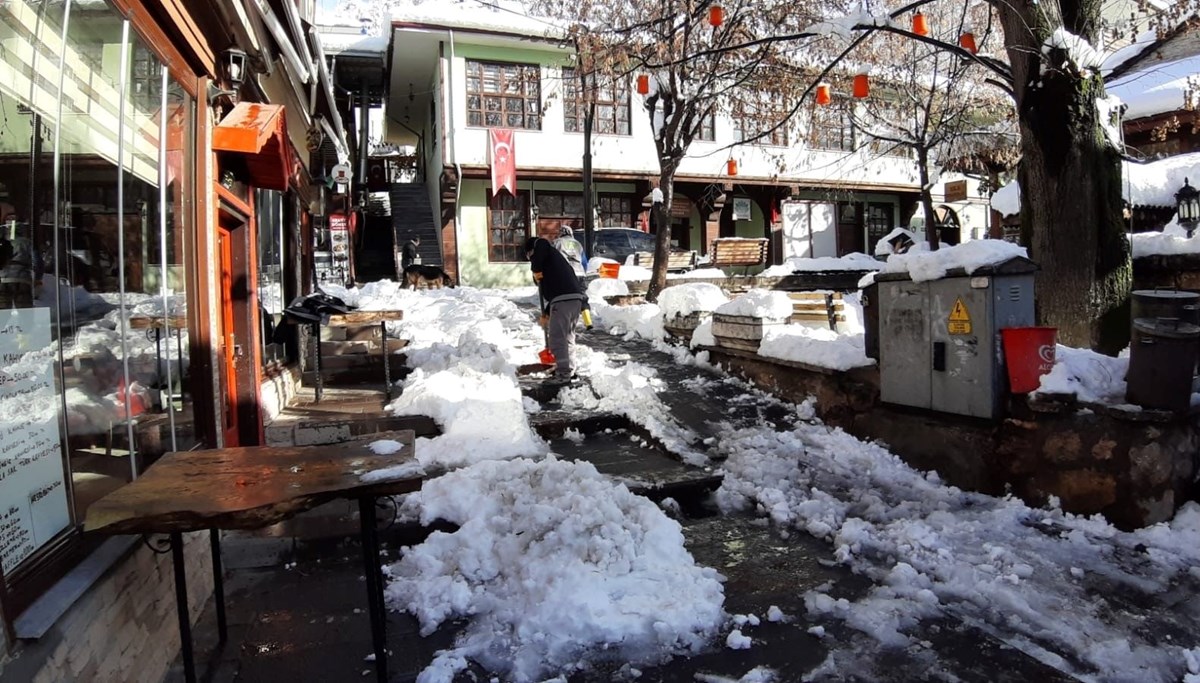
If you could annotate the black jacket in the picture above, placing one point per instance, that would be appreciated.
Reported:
(559, 282)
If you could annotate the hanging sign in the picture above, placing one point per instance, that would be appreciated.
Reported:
(959, 321)
(341, 174)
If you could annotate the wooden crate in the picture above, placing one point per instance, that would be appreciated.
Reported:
(740, 332)
(682, 326)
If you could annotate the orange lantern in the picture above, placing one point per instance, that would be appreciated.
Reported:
(716, 15)
(824, 95)
(643, 84)
(862, 86)
(920, 26)
(967, 42)
(731, 167)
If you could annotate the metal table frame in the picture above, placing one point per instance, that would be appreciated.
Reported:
(351, 319)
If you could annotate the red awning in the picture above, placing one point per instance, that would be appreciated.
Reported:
(260, 132)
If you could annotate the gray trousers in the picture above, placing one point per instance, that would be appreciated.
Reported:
(564, 315)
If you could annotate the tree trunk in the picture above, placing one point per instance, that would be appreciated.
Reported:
(1071, 212)
(662, 238)
(931, 231)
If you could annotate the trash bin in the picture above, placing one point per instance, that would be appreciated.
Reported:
(1028, 354)
(1162, 358)
(1166, 303)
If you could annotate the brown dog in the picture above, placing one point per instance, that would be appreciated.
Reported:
(432, 277)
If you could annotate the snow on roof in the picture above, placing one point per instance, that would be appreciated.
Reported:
(340, 43)
(1117, 59)
(970, 256)
(1158, 88)
(503, 16)
(1155, 183)
(1172, 240)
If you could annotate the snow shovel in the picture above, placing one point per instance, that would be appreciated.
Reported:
(545, 356)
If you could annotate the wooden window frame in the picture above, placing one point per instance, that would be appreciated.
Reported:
(821, 126)
(529, 93)
(764, 115)
(608, 111)
(707, 130)
(517, 247)
(628, 216)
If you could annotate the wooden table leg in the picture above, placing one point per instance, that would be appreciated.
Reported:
(374, 579)
(181, 608)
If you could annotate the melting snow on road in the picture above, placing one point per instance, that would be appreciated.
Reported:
(555, 568)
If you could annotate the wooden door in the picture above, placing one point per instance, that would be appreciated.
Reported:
(227, 341)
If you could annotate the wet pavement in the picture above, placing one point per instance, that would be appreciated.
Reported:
(298, 608)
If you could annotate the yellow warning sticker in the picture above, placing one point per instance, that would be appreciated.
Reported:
(959, 321)
(959, 313)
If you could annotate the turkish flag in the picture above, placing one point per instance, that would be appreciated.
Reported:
(504, 161)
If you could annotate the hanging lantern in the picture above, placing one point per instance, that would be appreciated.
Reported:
(731, 167)
(824, 94)
(716, 15)
(862, 86)
(967, 42)
(643, 84)
(920, 26)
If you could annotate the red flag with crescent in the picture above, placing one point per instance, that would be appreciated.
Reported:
(504, 161)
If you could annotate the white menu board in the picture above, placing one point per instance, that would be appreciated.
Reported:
(33, 493)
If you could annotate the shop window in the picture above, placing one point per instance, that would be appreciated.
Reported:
(612, 105)
(508, 227)
(93, 304)
(501, 95)
(616, 211)
(274, 227)
(707, 130)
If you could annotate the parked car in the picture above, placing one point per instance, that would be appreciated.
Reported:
(619, 243)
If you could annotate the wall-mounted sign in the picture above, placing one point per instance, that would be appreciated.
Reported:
(341, 174)
(741, 208)
(955, 191)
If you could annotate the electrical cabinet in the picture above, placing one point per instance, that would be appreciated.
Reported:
(939, 340)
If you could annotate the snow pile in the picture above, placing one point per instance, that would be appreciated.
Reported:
(1007, 200)
(639, 320)
(606, 286)
(884, 246)
(683, 300)
(759, 303)
(703, 334)
(970, 256)
(634, 273)
(1090, 376)
(1079, 51)
(1155, 183)
(557, 568)
(796, 264)
(820, 347)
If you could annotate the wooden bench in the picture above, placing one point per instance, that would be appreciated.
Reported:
(678, 261)
(823, 308)
(738, 251)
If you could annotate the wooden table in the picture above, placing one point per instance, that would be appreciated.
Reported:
(352, 319)
(250, 488)
(158, 324)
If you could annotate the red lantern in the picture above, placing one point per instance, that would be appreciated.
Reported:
(731, 167)
(920, 26)
(862, 86)
(824, 95)
(643, 84)
(716, 16)
(967, 42)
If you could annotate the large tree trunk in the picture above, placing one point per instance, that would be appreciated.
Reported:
(662, 237)
(931, 231)
(1071, 212)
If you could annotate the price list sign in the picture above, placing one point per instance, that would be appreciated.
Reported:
(33, 493)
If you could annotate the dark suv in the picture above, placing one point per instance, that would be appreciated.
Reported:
(619, 243)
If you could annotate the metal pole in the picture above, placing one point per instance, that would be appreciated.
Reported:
(181, 608)
(374, 578)
(316, 337)
(387, 361)
(214, 540)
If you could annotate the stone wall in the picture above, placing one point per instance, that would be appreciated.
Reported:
(124, 628)
(1134, 467)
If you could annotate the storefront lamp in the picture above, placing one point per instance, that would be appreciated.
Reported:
(235, 67)
(1187, 202)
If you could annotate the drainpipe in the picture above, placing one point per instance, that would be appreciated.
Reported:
(453, 150)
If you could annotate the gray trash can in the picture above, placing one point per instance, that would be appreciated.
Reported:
(1166, 303)
(1162, 359)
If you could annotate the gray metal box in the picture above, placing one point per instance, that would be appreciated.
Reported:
(939, 341)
